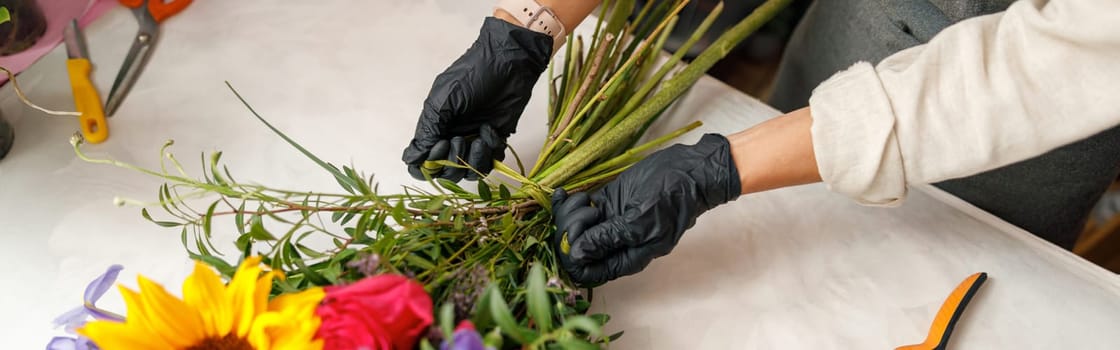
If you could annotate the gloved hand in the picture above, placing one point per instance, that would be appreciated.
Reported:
(474, 105)
(617, 230)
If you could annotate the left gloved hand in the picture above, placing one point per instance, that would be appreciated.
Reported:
(641, 215)
(475, 104)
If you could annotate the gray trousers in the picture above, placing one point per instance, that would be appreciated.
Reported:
(1050, 195)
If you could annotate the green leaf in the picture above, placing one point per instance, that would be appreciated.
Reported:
(583, 323)
(332, 271)
(434, 205)
(244, 243)
(399, 213)
(538, 299)
(345, 254)
(576, 344)
(337, 216)
(453, 187)
(483, 318)
(311, 253)
(222, 266)
(459, 223)
(582, 305)
(419, 261)
(425, 345)
(206, 220)
(504, 318)
(446, 319)
(214, 159)
(257, 230)
(239, 218)
(343, 180)
(493, 340)
(144, 213)
(311, 274)
(445, 214)
(484, 190)
(183, 238)
(602, 319)
(346, 218)
(4, 15)
(615, 336)
(503, 192)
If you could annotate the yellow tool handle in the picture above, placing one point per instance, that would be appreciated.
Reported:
(94, 127)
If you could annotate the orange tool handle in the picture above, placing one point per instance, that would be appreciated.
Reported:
(94, 127)
(949, 314)
(159, 9)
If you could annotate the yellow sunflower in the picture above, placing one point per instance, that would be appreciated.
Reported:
(213, 316)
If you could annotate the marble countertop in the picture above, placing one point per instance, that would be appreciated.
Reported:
(788, 269)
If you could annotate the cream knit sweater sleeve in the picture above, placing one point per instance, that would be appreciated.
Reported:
(985, 92)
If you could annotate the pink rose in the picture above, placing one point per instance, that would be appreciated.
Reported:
(380, 312)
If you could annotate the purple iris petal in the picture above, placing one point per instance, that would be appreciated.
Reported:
(67, 343)
(72, 319)
(99, 286)
(77, 317)
(464, 339)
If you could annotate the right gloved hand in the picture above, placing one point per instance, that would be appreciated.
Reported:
(474, 105)
(641, 215)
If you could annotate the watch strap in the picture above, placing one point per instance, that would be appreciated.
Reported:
(535, 17)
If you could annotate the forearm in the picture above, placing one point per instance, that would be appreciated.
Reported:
(777, 153)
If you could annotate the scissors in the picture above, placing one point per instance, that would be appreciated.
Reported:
(149, 13)
(92, 118)
(949, 314)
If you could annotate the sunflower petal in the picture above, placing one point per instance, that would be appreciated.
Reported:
(263, 288)
(241, 291)
(111, 335)
(307, 298)
(203, 291)
(170, 317)
(259, 335)
(296, 306)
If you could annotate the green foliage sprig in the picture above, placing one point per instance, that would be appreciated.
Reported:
(484, 254)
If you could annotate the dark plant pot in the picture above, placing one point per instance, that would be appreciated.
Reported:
(7, 136)
(24, 29)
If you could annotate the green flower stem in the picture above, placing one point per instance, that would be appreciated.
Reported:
(614, 79)
(640, 95)
(588, 80)
(605, 139)
(634, 154)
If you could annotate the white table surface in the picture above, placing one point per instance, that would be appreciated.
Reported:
(789, 269)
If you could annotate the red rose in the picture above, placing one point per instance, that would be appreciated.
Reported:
(379, 312)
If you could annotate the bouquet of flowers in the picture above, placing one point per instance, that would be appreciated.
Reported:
(450, 268)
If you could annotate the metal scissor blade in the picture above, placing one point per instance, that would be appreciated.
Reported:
(75, 41)
(133, 64)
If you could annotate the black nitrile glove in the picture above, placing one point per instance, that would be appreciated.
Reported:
(617, 230)
(474, 105)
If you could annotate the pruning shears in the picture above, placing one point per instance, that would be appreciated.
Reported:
(149, 14)
(949, 314)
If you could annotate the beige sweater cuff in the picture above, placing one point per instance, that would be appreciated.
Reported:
(853, 134)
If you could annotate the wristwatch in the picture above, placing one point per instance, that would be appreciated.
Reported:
(535, 17)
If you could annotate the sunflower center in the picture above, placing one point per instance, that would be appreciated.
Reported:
(228, 342)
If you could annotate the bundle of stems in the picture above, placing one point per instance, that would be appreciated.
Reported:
(484, 255)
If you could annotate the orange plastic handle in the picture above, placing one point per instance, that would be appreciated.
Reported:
(949, 314)
(160, 10)
(94, 127)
